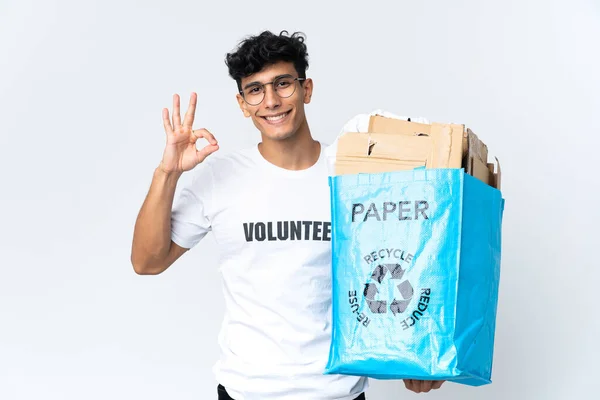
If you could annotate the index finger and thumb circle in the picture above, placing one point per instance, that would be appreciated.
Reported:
(204, 133)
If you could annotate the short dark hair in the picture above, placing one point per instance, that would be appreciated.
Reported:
(255, 52)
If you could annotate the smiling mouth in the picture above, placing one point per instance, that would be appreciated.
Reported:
(276, 118)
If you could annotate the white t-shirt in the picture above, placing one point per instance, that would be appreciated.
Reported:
(273, 227)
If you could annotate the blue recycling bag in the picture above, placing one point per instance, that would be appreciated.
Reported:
(415, 268)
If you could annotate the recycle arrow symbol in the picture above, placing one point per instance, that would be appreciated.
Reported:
(405, 289)
(376, 306)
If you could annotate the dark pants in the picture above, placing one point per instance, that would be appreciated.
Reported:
(224, 396)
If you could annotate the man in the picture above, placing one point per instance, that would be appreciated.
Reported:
(268, 207)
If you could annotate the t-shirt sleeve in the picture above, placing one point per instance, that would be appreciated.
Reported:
(190, 217)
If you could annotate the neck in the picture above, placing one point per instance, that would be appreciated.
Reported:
(297, 152)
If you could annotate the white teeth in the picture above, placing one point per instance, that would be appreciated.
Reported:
(276, 118)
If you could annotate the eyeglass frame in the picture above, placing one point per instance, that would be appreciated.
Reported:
(263, 85)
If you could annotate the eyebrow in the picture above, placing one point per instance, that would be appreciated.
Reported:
(260, 83)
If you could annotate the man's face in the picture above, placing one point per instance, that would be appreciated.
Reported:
(275, 117)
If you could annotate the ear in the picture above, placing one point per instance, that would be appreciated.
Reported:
(243, 105)
(308, 89)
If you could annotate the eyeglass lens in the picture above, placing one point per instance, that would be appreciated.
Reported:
(284, 87)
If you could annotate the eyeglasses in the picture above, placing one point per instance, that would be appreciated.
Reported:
(284, 86)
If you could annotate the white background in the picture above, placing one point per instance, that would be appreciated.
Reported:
(82, 84)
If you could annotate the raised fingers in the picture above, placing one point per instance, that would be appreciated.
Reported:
(188, 120)
(167, 121)
(176, 112)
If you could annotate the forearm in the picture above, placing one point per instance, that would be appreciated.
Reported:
(152, 233)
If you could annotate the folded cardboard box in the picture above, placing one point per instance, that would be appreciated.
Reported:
(393, 144)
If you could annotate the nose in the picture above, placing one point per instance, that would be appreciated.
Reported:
(272, 100)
